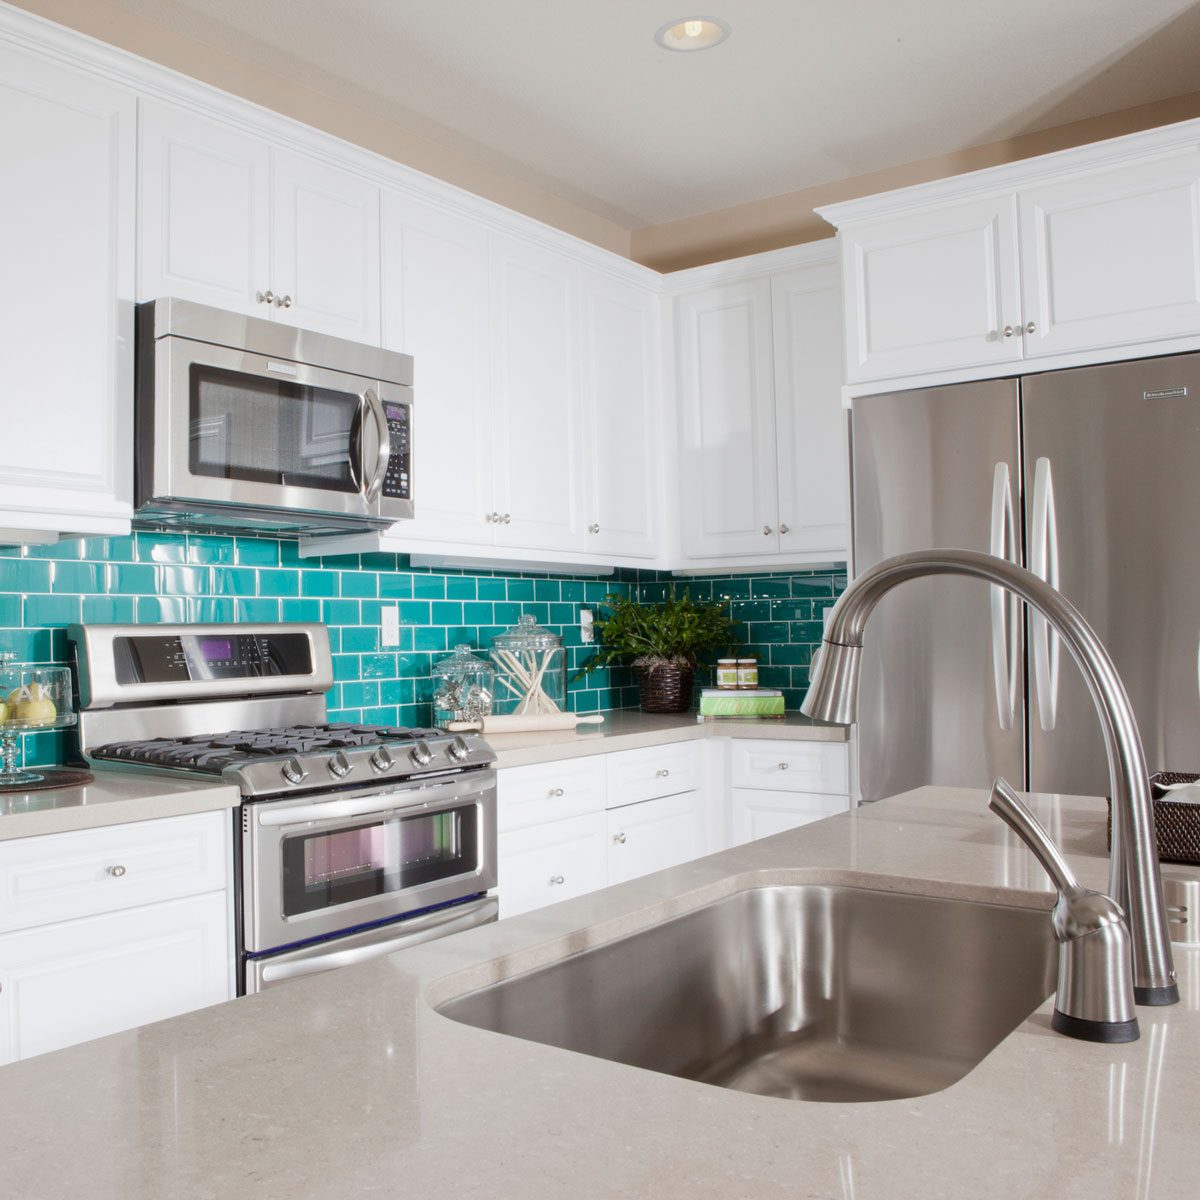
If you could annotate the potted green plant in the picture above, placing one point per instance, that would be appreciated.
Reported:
(664, 643)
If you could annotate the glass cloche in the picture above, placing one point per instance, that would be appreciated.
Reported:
(531, 669)
(463, 685)
(34, 697)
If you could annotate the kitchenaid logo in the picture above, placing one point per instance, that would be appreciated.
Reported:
(1165, 394)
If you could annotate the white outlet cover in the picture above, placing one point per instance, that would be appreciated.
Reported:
(389, 625)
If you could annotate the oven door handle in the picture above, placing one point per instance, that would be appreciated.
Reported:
(417, 930)
(381, 802)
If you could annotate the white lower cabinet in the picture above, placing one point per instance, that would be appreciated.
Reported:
(551, 862)
(755, 814)
(654, 835)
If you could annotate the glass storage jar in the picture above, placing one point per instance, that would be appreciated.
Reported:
(34, 697)
(531, 670)
(463, 687)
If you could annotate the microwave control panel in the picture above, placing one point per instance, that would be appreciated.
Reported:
(397, 483)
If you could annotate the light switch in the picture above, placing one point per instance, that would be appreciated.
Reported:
(389, 625)
(587, 633)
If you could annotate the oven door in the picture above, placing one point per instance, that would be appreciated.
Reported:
(320, 866)
(234, 430)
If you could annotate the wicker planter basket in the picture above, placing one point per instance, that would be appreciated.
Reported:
(1176, 824)
(665, 688)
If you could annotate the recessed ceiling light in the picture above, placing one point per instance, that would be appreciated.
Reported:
(692, 33)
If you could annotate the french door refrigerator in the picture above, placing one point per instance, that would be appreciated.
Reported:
(1090, 478)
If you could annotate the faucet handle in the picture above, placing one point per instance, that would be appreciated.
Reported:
(1095, 982)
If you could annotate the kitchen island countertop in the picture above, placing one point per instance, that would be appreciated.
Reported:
(351, 1084)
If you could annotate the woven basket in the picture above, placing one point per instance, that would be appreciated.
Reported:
(1176, 825)
(665, 688)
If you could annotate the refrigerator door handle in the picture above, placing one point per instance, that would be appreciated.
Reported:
(1043, 562)
(1004, 605)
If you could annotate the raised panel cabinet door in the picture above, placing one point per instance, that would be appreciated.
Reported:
(621, 443)
(654, 835)
(759, 814)
(435, 307)
(77, 980)
(204, 195)
(547, 863)
(535, 392)
(324, 248)
(932, 291)
(727, 421)
(812, 451)
(68, 148)
(1112, 257)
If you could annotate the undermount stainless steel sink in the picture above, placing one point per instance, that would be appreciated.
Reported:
(807, 992)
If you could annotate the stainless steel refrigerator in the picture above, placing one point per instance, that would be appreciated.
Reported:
(1089, 477)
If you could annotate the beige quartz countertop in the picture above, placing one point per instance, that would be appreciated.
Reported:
(351, 1084)
(115, 798)
(626, 729)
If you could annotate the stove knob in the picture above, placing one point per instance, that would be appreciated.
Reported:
(421, 754)
(293, 772)
(382, 760)
(339, 764)
(458, 750)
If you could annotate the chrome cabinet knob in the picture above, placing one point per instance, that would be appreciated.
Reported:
(116, 871)
(593, 529)
(507, 518)
(494, 518)
(1030, 327)
(555, 879)
(458, 750)
(1008, 331)
(267, 297)
(293, 771)
(662, 773)
(556, 791)
(783, 766)
(382, 760)
(619, 839)
(421, 754)
(339, 764)
(766, 531)
(783, 529)
(283, 302)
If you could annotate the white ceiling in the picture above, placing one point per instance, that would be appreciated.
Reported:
(578, 98)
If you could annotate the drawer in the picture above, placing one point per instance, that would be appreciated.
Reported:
(637, 775)
(66, 875)
(790, 766)
(755, 813)
(549, 792)
(551, 862)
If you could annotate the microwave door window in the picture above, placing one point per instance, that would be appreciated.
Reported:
(244, 427)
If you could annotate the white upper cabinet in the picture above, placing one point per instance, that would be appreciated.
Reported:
(620, 412)
(727, 420)
(67, 144)
(205, 205)
(536, 429)
(932, 291)
(435, 307)
(810, 422)
(1112, 257)
(325, 248)
(226, 220)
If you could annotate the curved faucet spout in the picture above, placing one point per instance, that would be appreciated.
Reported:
(1134, 875)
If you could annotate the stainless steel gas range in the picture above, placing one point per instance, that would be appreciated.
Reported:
(352, 840)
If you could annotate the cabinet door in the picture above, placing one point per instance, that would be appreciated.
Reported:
(67, 143)
(727, 434)
(620, 406)
(812, 451)
(759, 814)
(536, 419)
(1112, 257)
(654, 835)
(78, 980)
(547, 863)
(932, 291)
(435, 307)
(325, 248)
(204, 191)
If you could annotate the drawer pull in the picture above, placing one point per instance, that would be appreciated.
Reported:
(116, 871)
(662, 773)
(556, 879)
(619, 839)
(556, 791)
(783, 766)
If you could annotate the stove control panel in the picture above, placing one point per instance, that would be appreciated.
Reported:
(205, 657)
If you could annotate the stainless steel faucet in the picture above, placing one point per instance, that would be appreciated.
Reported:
(1094, 999)
(1134, 878)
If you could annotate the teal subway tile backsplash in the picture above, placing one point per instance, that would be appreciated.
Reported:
(154, 578)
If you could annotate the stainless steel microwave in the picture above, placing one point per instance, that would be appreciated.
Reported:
(248, 424)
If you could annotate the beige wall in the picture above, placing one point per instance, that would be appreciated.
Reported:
(710, 237)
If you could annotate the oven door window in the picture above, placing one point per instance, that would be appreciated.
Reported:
(331, 867)
(262, 430)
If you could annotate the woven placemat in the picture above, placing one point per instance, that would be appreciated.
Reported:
(52, 777)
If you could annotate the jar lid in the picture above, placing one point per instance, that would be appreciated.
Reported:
(527, 634)
(463, 662)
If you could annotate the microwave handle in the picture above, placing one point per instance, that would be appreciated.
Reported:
(372, 481)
